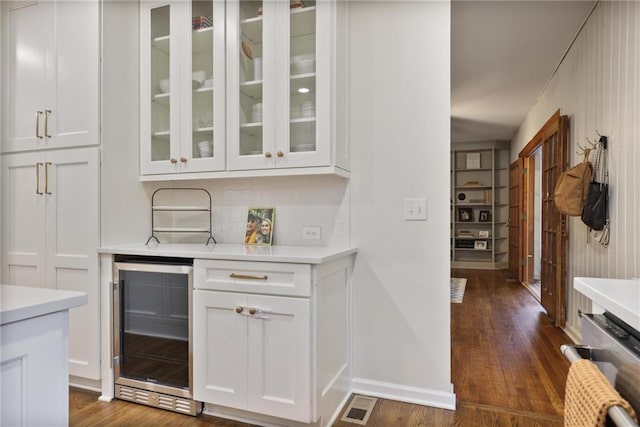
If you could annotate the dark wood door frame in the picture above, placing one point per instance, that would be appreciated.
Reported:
(552, 137)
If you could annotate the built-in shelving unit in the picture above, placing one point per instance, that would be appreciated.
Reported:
(480, 205)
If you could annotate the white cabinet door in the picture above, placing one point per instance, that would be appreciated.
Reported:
(25, 31)
(182, 90)
(23, 220)
(220, 348)
(283, 118)
(252, 352)
(50, 234)
(72, 236)
(279, 357)
(50, 74)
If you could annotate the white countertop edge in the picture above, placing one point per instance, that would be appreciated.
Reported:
(618, 296)
(222, 251)
(23, 302)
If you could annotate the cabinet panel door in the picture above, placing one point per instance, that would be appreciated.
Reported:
(279, 365)
(23, 220)
(72, 236)
(74, 76)
(220, 348)
(24, 43)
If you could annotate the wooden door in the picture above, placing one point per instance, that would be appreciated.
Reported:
(515, 208)
(554, 236)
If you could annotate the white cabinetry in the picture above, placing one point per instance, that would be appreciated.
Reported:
(259, 328)
(50, 74)
(479, 205)
(182, 87)
(278, 89)
(50, 234)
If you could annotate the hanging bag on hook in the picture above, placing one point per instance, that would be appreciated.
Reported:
(595, 213)
(571, 189)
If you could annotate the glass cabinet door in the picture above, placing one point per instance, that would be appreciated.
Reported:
(302, 77)
(160, 83)
(250, 77)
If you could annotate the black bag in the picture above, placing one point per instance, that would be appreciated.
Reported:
(594, 212)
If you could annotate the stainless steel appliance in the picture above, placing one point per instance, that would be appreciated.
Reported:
(152, 339)
(614, 346)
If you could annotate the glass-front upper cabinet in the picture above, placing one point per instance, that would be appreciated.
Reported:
(277, 67)
(182, 108)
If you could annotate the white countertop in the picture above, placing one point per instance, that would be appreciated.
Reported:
(24, 302)
(222, 251)
(618, 296)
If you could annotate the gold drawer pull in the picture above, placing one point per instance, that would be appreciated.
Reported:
(248, 277)
(239, 309)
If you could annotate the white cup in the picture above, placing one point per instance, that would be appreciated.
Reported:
(307, 109)
(205, 148)
(257, 68)
(256, 113)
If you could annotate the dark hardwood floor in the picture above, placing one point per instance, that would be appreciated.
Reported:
(507, 370)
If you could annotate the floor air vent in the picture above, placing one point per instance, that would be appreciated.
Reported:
(359, 410)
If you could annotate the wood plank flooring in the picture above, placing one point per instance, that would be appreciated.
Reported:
(507, 370)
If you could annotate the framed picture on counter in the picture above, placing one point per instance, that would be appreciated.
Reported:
(259, 228)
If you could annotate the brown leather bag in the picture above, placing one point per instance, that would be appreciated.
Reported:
(571, 189)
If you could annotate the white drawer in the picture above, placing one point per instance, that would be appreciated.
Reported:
(253, 277)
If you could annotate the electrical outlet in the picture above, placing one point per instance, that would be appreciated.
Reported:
(311, 233)
(415, 209)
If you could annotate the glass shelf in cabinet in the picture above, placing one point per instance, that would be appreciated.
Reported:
(252, 89)
(202, 40)
(204, 129)
(203, 90)
(303, 21)
(162, 98)
(251, 28)
(162, 43)
(303, 120)
(162, 135)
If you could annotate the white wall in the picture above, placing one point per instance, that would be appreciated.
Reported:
(400, 139)
(597, 87)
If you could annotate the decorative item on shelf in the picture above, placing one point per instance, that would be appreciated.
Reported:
(476, 201)
(464, 244)
(200, 22)
(462, 197)
(465, 233)
(483, 233)
(465, 215)
(205, 148)
(256, 112)
(485, 216)
(480, 244)
(472, 184)
(259, 229)
(295, 4)
(488, 197)
(473, 161)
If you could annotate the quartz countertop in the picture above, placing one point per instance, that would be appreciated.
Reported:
(23, 302)
(618, 296)
(224, 251)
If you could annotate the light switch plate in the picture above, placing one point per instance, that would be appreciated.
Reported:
(311, 233)
(415, 209)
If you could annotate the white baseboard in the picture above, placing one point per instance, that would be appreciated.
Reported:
(85, 383)
(574, 334)
(403, 393)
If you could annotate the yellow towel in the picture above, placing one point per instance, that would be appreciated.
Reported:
(589, 395)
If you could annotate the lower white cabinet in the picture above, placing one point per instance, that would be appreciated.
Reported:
(271, 338)
(252, 352)
(50, 233)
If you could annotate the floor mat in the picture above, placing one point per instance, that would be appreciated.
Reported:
(457, 289)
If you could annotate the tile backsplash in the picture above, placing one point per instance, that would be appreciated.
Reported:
(309, 201)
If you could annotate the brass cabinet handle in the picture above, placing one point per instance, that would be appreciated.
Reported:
(183, 159)
(38, 114)
(46, 177)
(46, 123)
(252, 311)
(239, 309)
(38, 178)
(280, 154)
(247, 276)
(174, 161)
(267, 155)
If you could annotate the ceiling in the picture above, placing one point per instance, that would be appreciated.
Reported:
(502, 55)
